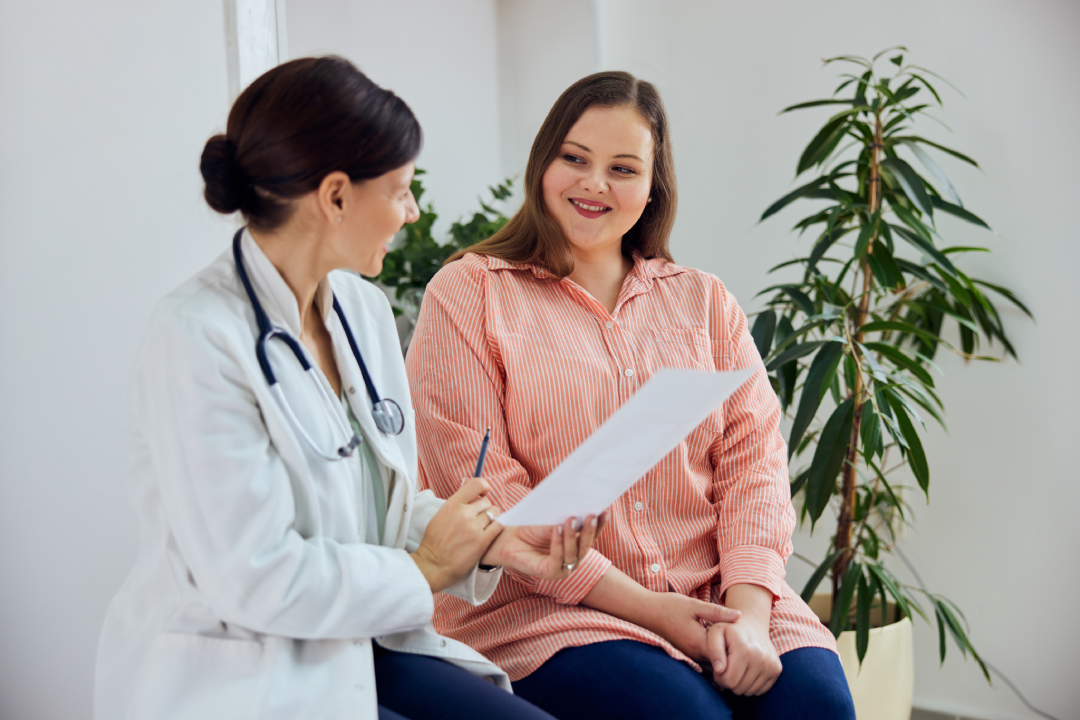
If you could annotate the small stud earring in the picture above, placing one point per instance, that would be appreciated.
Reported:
(339, 218)
(649, 200)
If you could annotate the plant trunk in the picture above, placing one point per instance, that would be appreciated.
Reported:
(846, 521)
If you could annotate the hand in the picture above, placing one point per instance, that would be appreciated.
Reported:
(542, 551)
(678, 619)
(458, 536)
(744, 659)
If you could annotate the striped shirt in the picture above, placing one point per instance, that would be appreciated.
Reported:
(543, 364)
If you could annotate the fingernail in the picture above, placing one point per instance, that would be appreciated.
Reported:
(575, 524)
(560, 529)
(593, 523)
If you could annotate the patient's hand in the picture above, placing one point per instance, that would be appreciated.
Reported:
(545, 551)
(744, 660)
(678, 619)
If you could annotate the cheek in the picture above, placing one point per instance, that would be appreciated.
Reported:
(632, 198)
(554, 182)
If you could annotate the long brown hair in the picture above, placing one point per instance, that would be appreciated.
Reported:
(532, 236)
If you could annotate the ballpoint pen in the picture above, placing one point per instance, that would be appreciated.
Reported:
(483, 453)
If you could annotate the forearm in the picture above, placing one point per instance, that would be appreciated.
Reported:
(620, 595)
(754, 601)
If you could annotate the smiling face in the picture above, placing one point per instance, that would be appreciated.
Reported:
(375, 210)
(598, 185)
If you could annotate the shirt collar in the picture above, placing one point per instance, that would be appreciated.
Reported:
(644, 270)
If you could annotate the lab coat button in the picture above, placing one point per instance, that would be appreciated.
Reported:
(638, 506)
(442, 643)
(629, 372)
(655, 568)
(352, 390)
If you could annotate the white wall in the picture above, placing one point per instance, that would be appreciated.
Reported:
(105, 110)
(1000, 535)
(441, 58)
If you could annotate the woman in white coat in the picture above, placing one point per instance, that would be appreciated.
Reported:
(287, 559)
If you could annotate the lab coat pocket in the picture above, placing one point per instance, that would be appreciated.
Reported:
(195, 677)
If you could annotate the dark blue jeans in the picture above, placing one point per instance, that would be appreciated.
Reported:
(415, 687)
(626, 679)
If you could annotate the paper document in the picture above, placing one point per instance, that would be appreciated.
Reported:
(631, 442)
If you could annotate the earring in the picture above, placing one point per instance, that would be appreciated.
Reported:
(649, 200)
(339, 217)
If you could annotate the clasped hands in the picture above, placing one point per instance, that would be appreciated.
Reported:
(465, 532)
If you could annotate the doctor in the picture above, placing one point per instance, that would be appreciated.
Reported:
(287, 559)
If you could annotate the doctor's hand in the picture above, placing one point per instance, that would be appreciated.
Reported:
(545, 552)
(458, 536)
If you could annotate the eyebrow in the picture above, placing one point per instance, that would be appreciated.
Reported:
(624, 155)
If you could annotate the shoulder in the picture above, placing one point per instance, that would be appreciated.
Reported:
(207, 303)
(688, 279)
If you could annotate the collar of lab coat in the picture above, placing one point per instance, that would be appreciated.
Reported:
(280, 304)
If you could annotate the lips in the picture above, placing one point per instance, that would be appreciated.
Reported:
(589, 209)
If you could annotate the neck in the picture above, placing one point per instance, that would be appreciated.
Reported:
(601, 271)
(295, 254)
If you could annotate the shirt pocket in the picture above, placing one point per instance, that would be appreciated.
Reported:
(690, 349)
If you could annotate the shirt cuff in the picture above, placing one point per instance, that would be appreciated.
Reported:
(573, 589)
(752, 565)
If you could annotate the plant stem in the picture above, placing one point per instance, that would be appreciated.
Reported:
(847, 494)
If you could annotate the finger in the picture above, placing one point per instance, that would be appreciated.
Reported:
(717, 613)
(570, 543)
(717, 648)
(769, 682)
(588, 535)
(481, 505)
(470, 489)
(764, 681)
(604, 517)
(748, 680)
(736, 668)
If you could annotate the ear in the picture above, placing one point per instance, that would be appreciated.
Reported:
(334, 196)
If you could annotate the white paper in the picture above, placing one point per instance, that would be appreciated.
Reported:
(631, 442)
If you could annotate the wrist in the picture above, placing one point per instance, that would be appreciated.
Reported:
(753, 601)
(435, 575)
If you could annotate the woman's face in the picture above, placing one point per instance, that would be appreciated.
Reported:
(376, 210)
(597, 186)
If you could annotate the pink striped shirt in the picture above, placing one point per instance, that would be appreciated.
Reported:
(544, 364)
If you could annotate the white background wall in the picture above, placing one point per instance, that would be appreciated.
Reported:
(105, 110)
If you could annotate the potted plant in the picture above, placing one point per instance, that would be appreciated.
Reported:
(850, 345)
(417, 256)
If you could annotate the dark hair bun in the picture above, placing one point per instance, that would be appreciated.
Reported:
(225, 184)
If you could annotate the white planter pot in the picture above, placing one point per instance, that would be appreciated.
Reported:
(883, 687)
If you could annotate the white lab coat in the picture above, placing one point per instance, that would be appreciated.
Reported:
(255, 595)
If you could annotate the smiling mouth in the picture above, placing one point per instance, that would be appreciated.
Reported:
(590, 208)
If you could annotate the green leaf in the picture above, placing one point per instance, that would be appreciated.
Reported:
(888, 50)
(842, 606)
(897, 356)
(816, 103)
(888, 488)
(870, 431)
(935, 170)
(959, 212)
(820, 375)
(862, 617)
(941, 632)
(828, 459)
(794, 353)
(827, 137)
(884, 577)
(818, 576)
(1007, 294)
(942, 148)
(899, 326)
(866, 233)
(890, 275)
(827, 239)
(915, 454)
(764, 329)
(793, 196)
(912, 184)
(801, 299)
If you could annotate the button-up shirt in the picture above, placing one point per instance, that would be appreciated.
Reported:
(544, 364)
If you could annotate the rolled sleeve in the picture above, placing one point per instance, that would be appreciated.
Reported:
(752, 565)
(572, 590)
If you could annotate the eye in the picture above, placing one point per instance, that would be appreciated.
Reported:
(623, 170)
(572, 159)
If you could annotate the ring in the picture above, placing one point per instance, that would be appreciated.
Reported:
(491, 517)
(569, 566)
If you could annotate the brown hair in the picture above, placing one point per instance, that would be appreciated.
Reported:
(296, 124)
(532, 236)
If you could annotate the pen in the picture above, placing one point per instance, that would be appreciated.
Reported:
(483, 453)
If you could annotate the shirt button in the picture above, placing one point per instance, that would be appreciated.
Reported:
(352, 390)
(629, 372)
(638, 506)
(655, 568)
(609, 325)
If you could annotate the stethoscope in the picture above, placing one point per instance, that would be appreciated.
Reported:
(386, 413)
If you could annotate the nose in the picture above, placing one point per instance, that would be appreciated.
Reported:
(412, 210)
(594, 181)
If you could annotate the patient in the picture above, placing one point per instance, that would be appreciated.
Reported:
(543, 331)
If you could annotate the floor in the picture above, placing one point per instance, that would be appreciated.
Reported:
(917, 714)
